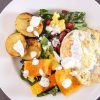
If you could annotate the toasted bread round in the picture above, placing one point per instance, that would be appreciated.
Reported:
(11, 40)
(23, 21)
(34, 45)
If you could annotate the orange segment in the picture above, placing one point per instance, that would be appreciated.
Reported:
(54, 63)
(37, 88)
(44, 64)
(65, 74)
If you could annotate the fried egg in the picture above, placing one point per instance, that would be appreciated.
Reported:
(83, 46)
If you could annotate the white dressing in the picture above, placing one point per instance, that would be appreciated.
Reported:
(74, 73)
(25, 73)
(66, 83)
(35, 21)
(59, 67)
(44, 82)
(30, 29)
(55, 42)
(41, 72)
(33, 54)
(49, 28)
(18, 47)
(36, 33)
(57, 56)
(56, 29)
(35, 61)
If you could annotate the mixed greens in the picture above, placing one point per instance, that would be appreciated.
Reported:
(77, 18)
(73, 20)
(39, 39)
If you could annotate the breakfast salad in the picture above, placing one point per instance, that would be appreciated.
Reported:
(58, 52)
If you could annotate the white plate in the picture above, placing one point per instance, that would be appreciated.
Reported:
(10, 81)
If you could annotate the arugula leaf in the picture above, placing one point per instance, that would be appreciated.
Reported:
(74, 17)
(77, 17)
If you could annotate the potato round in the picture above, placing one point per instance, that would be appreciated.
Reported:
(11, 40)
(34, 45)
(23, 21)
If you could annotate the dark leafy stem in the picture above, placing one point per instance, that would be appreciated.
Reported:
(52, 91)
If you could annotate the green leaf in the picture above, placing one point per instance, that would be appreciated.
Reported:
(47, 16)
(43, 12)
(52, 91)
(74, 17)
(77, 17)
(47, 34)
(36, 79)
(44, 41)
(42, 94)
(80, 25)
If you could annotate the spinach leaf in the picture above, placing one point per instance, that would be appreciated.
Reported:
(54, 91)
(44, 13)
(42, 94)
(47, 34)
